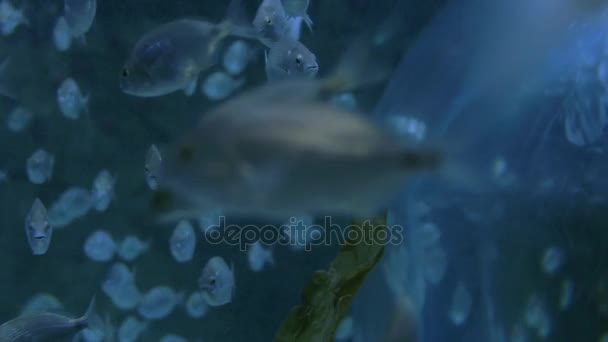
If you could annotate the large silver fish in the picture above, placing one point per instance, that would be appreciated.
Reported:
(45, 327)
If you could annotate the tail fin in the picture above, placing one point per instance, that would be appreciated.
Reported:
(357, 68)
(236, 22)
(90, 319)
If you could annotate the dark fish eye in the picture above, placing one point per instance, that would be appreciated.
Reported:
(299, 60)
(268, 21)
(125, 72)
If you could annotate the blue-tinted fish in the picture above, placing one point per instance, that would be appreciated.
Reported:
(46, 327)
(70, 99)
(151, 166)
(217, 282)
(62, 37)
(171, 57)
(79, 15)
(10, 18)
(271, 21)
(220, 85)
(288, 58)
(37, 228)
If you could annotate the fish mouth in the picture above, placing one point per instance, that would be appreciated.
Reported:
(312, 68)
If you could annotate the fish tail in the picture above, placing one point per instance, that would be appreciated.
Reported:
(357, 68)
(236, 23)
(90, 317)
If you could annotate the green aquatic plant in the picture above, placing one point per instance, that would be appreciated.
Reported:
(329, 293)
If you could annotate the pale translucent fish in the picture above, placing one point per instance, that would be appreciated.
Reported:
(41, 302)
(552, 260)
(72, 204)
(37, 228)
(70, 99)
(102, 191)
(131, 329)
(39, 166)
(158, 302)
(210, 221)
(288, 59)
(536, 312)
(182, 242)
(461, 304)
(152, 164)
(100, 246)
(344, 331)
(436, 262)
(236, 57)
(217, 282)
(131, 247)
(18, 119)
(79, 15)
(10, 18)
(220, 85)
(258, 256)
(119, 286)
(62, 37)
(196, 306)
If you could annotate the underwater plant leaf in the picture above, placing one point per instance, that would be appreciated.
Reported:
(329, 293)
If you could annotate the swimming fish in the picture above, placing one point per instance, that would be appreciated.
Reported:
(171, 57)
(62, 37)
(39, 166)
(219, 85)
(298, 8)
(217, 282)
(182, 242)
(10, 18)
(46, 326)
(152, 164)
(288, 58)
(70, 99)
(271, 21)
(258, 256)
(281, 150)
(79, 14)
(37, 228)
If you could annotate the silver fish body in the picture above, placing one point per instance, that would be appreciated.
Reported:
(277, 152)
(45, 327)
(217, 282)
(271, 21)
(288, 58)
(37, 228)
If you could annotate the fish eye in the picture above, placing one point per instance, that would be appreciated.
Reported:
(268, 21)
(299, 60)
(125, 72)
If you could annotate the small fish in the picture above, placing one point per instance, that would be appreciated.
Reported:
(298, 8)
(39, 166)
(172, 338)
(258, 256)
(46, 326)
(37, 228)
(119, 286)
(62, 37)
(131, 248)
(288, 58)
(236, 57)
(10, 18)
(271, 21)
(102, 191)
(151, 166)
(18, 119)
(100, 246)
(460, 307)
(131, 329)
(70, 100)
(182, 242)
(170, 57)
(41, 302)
(72, 204)
(217, 282)
(220, 85)
(159, 302)
(196, 306)
(79, 14)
